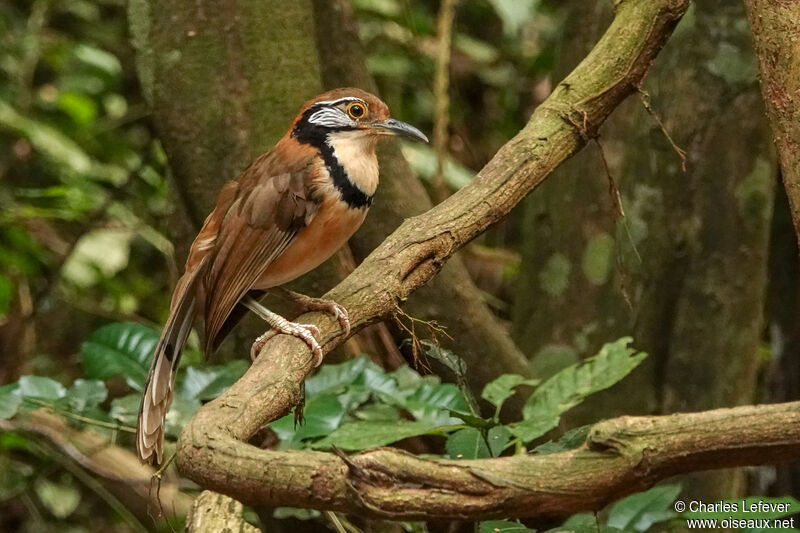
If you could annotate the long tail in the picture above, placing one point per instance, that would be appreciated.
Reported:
(158, 388)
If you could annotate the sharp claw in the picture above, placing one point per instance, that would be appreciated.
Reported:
(342, 316)
(305, 332)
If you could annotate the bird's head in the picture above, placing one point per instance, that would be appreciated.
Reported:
(352, 113)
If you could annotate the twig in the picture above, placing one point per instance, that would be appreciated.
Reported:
(441, 82)
(645, 99)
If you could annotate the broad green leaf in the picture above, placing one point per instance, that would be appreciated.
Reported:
(527, 430)
(498, 437)
(572, 385)
(180, 412)
(122, 349)
(41, 387)
(376, 380)
(10, 400)
(406, 377)
(85, 394)
(467, 443)
(322, 414)
(333, 376)
(642, 510)
(377, 411)
(499, 390)
(446, 357)
(503, 526)
(431, 403)
(125, 410)
(60, 499)
(209, 382)
(583, 523)
(371, 433)
(570, 440)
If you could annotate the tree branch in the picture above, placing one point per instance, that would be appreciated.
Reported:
(621, 456)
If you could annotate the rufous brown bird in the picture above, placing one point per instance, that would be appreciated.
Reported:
(289, 211)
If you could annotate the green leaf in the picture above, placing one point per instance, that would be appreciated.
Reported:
(41, 387)
(209, 382)
(503, 526)
(334, 376)
(180, 412)
(474, 421)
(60, 499)
(10, 400)
(574, 438)
(527, 430)
(122, 349)
(81, 109)
(431, 403)
(467, 443)
(642, 510)
(498, 437)
(499, 390)
(371, 433)
(572, 385)
(86, 394)
(322, 414)
(125, 410)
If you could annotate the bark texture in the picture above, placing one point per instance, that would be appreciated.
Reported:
(692, 291)
(212, 450)
(215, 513)
(776, 25)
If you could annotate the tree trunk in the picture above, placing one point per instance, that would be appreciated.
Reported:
(694, 300)
(775, 27)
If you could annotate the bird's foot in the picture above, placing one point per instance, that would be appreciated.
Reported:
(308, 333)
(309, 303)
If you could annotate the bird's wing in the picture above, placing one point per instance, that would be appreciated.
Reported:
(265, 215)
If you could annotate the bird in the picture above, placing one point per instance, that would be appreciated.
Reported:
(284, 215)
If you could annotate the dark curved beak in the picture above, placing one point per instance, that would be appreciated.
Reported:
(400, 128)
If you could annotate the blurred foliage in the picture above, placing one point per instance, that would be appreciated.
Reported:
(82, 185)
(502, 55)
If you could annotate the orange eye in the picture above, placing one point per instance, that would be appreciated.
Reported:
(356, 111)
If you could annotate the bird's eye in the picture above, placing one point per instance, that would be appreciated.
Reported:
(356, 110)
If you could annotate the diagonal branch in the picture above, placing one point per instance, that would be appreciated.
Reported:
(621, 456)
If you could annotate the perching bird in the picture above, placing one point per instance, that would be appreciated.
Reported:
(289, 211)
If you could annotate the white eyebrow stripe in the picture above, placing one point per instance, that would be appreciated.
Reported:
(339, 101)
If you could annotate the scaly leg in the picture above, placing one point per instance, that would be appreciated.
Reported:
(304, 332)
(317, 304)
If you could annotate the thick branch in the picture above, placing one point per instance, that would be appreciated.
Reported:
(622, 456)
(775, 26)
